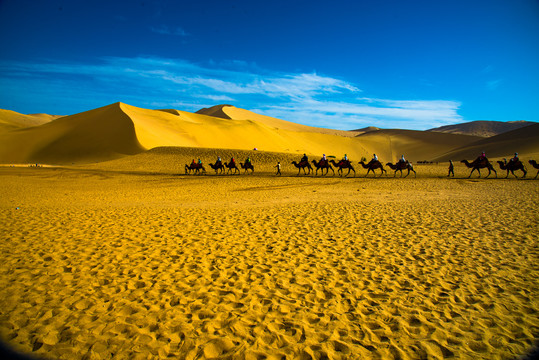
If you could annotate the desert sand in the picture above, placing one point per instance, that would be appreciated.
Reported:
(132, 259)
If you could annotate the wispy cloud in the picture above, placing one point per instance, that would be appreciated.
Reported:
(494, 84)
(166, 30)
(307, 98)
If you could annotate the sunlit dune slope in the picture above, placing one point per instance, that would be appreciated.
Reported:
(181, 128)
(95, 135)
(525, 141)
(232, 112)
(11, 120)
(389, 145)
(119, 129)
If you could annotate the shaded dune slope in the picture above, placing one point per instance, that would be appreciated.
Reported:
(11, 120)
(414, 145)
(524, 141)
(95, 135)
(482, 128)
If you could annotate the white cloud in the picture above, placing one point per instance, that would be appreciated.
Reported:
(307, 98)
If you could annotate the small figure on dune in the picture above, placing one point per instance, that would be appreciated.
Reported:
(451, 167)
(278, 166)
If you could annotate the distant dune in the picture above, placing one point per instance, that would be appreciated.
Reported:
(414, 145)
(119, 130)
(11, 120)
(483, 128)
(525, 141)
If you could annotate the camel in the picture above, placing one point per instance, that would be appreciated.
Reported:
(373, 165)
(479, 164)
(343, 164)
(321, 165)
(231, 166)
(195, 167)
(247, 166)
(402, 166)
(303, 165)
(218, 166)
(535, 165)
(512, 166)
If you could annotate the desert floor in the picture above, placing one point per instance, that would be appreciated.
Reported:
(102, 264)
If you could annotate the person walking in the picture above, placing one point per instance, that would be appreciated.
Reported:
(278, 166)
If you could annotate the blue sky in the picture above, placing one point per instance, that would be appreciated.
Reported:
(336, 64)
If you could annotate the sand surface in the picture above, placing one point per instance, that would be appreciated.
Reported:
(102, 263)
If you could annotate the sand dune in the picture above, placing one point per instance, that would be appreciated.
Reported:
(415, 145)
(11, 120)
(119, 129)
(525, 141)
(232, 112)
(483, 128)
(91, 136)
(113, 263)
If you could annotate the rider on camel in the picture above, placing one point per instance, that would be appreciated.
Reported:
(402, 160)
(199, 162)
(218, 162)
(304, 159)
(324, 160)
(232, 161)
(481, 157)
(374, 159)
(515, 159)
(248, 161)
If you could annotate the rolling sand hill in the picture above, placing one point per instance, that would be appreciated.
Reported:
(232, 112)
(525, 141)
(483, 128)
(11, 120)
(95, 135)
(118, 130)
(415, 145)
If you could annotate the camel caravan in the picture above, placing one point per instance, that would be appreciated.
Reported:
(325, 165)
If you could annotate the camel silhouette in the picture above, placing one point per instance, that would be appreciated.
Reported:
(195, 167)
(373, 165)
(343, 164)
(479, 164)
(321, 165)
(512, 166)
(231, 166)
(217, 167)
(247, 166)
(303, 165)
(535, 165)
(402, 166)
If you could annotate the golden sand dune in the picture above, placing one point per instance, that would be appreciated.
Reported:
(232, 112)
(11, 120)
(415, 145)
(525, 141)
(94, 135)
(119, 129)
(107, 262)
